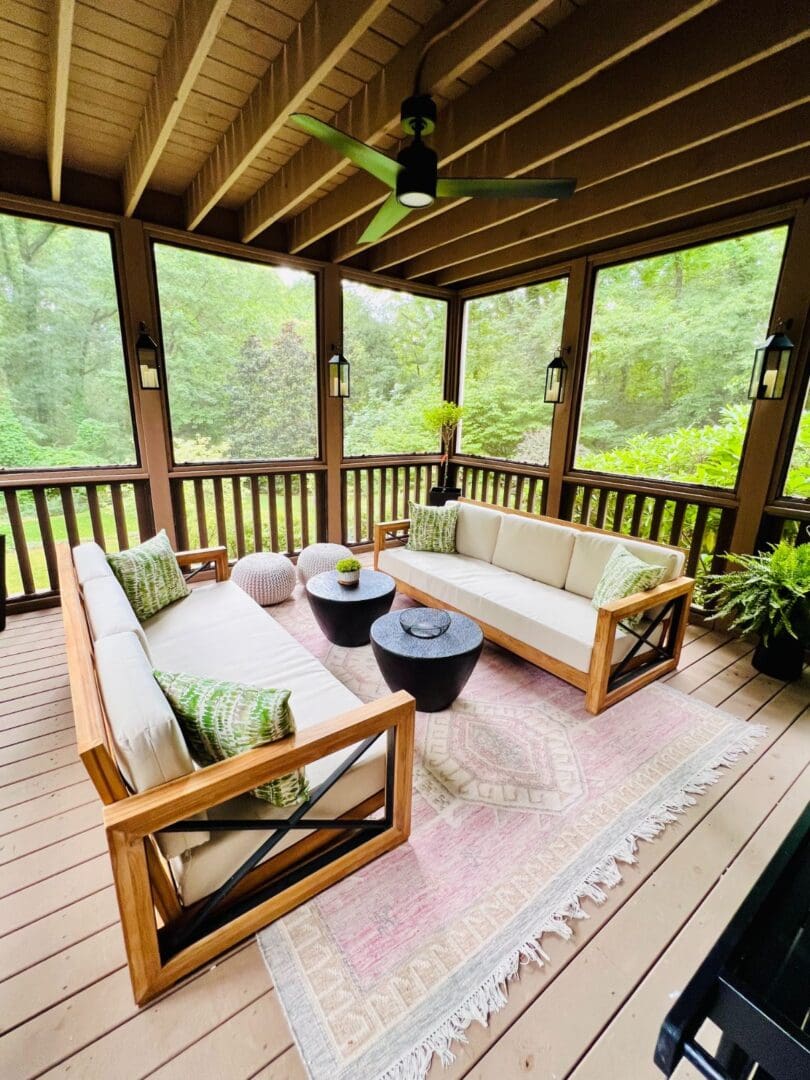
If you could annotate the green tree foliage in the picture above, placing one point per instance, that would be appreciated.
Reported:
(63, 390)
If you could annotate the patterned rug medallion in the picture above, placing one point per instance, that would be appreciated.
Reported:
(523, 806)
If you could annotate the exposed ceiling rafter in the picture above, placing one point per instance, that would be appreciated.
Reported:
(59, 76)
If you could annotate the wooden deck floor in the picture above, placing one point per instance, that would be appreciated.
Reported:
(65, 1003)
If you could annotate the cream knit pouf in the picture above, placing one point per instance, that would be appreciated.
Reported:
(267, 577)
(318, 558)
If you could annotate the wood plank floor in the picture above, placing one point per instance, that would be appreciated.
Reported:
(592, 1012)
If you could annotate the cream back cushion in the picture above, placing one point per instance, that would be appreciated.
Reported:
(148, 743)
(477, 530)
(592, 551)
(109, 611)
(536, 549)
(90, 562)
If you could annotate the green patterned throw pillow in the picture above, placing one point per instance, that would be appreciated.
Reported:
(222, 719)
(624, 575)
(150, 575)
(432, 528)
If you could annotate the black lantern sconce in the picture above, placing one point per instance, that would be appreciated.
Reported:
(771, 364)
(148, 353)
(556, 374)
(339, 373)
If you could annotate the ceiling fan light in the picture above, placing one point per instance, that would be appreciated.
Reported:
(416, 182)
(414, 199)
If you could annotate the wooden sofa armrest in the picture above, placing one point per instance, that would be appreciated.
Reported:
(139, 815)
(642, 601)
(382, 530)
(217, 555)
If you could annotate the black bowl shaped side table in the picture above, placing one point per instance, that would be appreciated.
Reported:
(344, 612)
(435, 670)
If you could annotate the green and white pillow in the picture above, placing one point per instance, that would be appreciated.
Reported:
(624, 574)
(150, 575)
(432, 528)
(222, 719)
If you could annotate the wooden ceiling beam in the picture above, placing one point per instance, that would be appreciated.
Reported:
(747, 182)
(325, 34)
(195, 27)
(746, 98)
(375, 108)
(59, 47)
(718, 44)
(585, 43)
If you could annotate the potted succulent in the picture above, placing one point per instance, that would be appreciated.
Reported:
(768, 595)
(348, 572)
(443, 420)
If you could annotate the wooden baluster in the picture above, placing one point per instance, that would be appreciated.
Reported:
(272, 511)
(485, 485)
(618, 510)
(20, 543)
(722, 542)
(219, 507)
(179, 512)
(601, 508)
(519, 493)
(677, 523)
(46, 532)
(238, 516)
(696, 545)
(395, 494)
(303, 492)
(289, 522)
(638, 512)
(69, 510)
(357, 488)
(320, 509)
(507, 489)
(199, 503)
(406, 494)
(256, 513)
(657, 515)
(368, 532)
(543, 495)
(143, 508)
(120, 515)
(383, 515)
(532, 494)
(95, 515)
(585, 510)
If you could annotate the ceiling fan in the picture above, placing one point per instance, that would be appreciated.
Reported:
(413, 178)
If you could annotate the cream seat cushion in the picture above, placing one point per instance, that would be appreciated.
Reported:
(558, 623)
(219, 632)
(535, 549)
(477, 530)
(592, 551)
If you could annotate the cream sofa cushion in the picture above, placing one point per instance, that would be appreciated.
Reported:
(109, 611)
(592, 551)
(90, 562)
(558, 623)
(476, 530)
(148, 744)
(535, 549)
(218, 631)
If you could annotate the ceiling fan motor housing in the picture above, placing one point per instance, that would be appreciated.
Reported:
(416, 181)
(418, 114)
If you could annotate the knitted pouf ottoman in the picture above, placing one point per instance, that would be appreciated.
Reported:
(317, 558)
(268, 578)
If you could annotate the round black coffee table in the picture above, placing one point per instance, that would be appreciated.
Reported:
(434, 670)
(345, 613)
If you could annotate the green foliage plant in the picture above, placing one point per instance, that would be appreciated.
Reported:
(346, 566)
(443, 420)
(768, 595)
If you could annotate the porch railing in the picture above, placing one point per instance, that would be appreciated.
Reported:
(504, 485)
(787, 520)
(375, 490)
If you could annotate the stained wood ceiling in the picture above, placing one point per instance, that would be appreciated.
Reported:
(662, 110)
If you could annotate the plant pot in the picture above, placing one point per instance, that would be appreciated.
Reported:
(782, 659)
(440, 495)
(349, 579)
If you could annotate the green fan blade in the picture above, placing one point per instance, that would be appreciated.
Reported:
(366, 157)
(389, 215)
(521, 188)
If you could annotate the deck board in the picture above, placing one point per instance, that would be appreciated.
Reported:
(65, 999)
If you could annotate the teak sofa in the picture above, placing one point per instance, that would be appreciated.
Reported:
(528, 581)
(198, 863)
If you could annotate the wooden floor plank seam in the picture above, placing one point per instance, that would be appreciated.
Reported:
(56, 873)
(7, 737)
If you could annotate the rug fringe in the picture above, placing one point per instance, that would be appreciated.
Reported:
(492, 996)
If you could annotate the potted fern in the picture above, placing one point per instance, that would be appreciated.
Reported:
(443, 420)
(768, 595)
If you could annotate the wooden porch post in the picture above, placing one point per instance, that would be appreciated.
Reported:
(138, 302)
(563, 430)
(766, 447)
(331, 337)
(453, 363)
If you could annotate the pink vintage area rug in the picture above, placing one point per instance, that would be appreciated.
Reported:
(524, 805)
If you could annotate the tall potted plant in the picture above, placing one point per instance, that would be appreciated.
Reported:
(443, 420)
(768, 595)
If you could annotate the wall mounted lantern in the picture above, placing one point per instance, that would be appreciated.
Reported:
(556, 373)
(339, 371)
(148, 353)
(771, 363)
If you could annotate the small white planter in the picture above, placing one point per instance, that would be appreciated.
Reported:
(349, 578)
